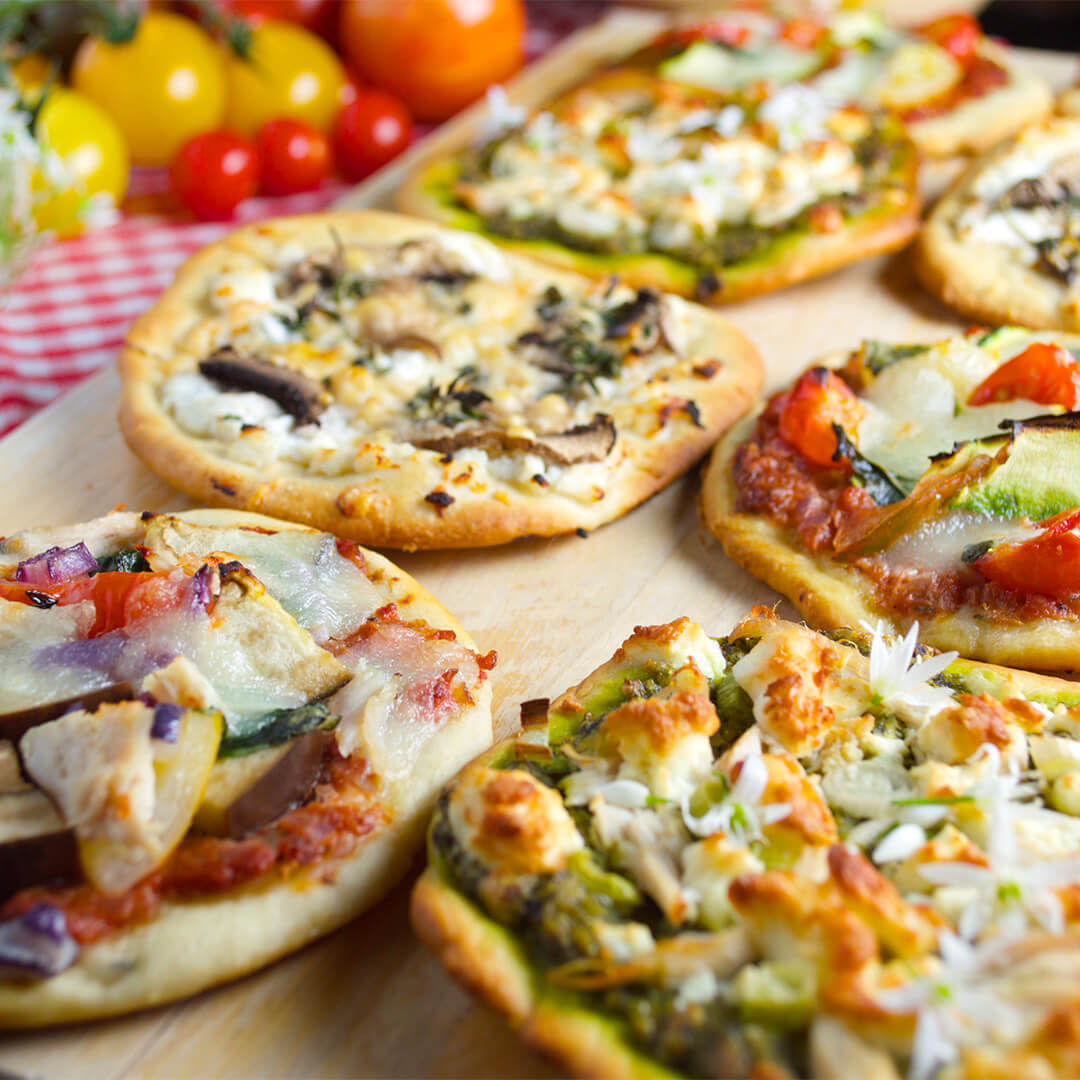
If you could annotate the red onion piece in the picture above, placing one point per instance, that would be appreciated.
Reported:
(166, 726)
(99, 654)
(56, 564)
(201, 593)
(36, 944)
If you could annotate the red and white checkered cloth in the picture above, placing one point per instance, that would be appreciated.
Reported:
(67, 314)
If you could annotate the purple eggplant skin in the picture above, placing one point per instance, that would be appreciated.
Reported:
(281, 788)
(45, 854)
(36, 944)
(14, 725)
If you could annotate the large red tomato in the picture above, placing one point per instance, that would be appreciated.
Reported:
(436, 55)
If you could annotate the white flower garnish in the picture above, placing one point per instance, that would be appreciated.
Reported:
(1013, 891)
(740, 813)
(957, 1006)
(501, 115)
(894, 679)
(581, 787)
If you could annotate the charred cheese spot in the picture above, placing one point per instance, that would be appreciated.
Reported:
(810, 816)
(663, 741)
(903, 929)
(955, 733)
(785, 675)
(512, 821)
(790, 917)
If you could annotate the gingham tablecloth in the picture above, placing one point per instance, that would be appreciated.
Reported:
(66, 316)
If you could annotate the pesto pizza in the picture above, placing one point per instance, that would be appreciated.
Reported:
(933, 482)
(777, 854)
(220, 738)
(407, 385)
(712, 196)
(1004, 244)
(953, 88)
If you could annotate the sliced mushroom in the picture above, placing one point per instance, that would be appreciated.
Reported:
(1054, 186)
(14, 725)
(299, 396)
(584, 442)
(407, 340)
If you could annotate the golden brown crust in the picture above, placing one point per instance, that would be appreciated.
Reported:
(481, 957)
(386, 507)
(987, 282)
(830, 596)
(243, 929)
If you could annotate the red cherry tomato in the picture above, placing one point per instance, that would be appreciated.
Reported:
(1044, 373)
(1048, 564)
(215, 172)
(818, 400)
(957, 34)
(369, 131)
(294, 157)
(803, 33)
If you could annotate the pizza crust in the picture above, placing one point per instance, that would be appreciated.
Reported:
(810, 255)
(191, 946)
(386, 507)
(982, 280)
(830, 596)
(978, 124)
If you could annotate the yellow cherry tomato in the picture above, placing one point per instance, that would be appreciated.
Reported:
(93, 154)
(288, 72)
(162, 87)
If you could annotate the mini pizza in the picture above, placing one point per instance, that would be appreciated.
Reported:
(919, 482)
(954, 89)
(779, 854)
(220, 738)
(680, 188)
(407, 385)
(1004, 244)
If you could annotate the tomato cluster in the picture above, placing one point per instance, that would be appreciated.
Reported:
(241, 96)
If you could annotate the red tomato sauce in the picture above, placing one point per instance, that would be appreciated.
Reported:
(342, 811)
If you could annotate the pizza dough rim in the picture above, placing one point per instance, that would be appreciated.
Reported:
(980, 123)
(811, 255)
(402, 519)
(981, 280)
(190, 947)
(831, 597)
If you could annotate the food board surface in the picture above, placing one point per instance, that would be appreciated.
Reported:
(369, 1000)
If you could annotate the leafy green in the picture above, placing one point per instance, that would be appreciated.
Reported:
(882, 487)
(276, 727)
(128, 561)
(457, 401)
(878, 355)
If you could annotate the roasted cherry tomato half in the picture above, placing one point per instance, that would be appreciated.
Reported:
(294, 157)
(818, 400)
(119, 598)
(368, 132)
(957, 34)
(1047, 564)
(215, 172)
(1048, 374)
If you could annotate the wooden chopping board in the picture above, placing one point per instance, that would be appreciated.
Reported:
(369, 1000)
